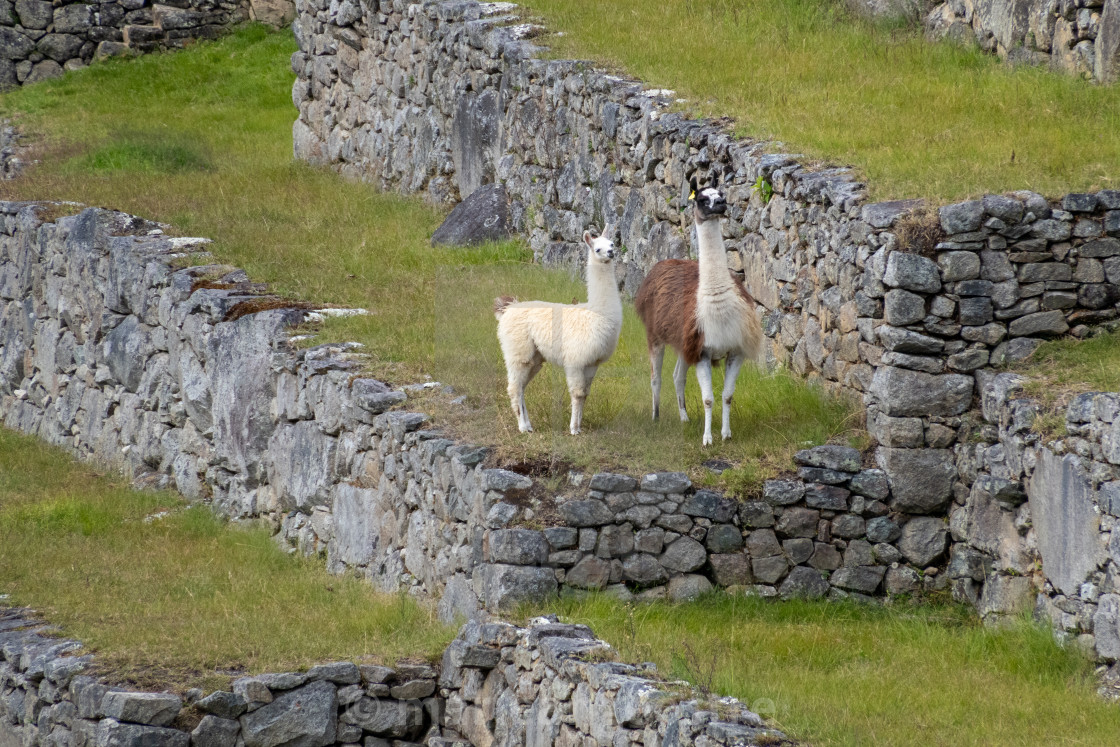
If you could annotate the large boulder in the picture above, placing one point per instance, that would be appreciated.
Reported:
(481, 217)
(305, 717)
(921, 480)
(475, 140)
(1065, 520)
(905, 393)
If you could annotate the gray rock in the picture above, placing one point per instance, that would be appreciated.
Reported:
(666, 482)
(643, 569)
(155, 709)
(756, 514)
(901, 307)
(481, 217)
(611, 483)
(1106, 626)
(825, 557)
(769, 570)
(127, 349)
(1066, 523)
(906, 393)
(586, 513)
(505, 586)
(882, 529)
(684, 555)
(34, 14)
(73, 19)
(782, 492)
(883, 214)
(798, 522)
(958, 266)
(912, 272)
(828, 497)
(688, 587)
(414, 689)
(975, 311)
(921, 480)
(923, 540)
(215, 732)
(375, 397)
(1043, 323)
(252, 691)
(901, 580)
(830, 456)
(1100, 249)
(1007, 209)
(305, 717)
(763, 543)
(731, 570)
(589, 573)
(864, 579)
(962, 217)
(615, 541)
(14, 45)
(907, 341)
(517, 547)
(871, 483)
(849, 526)
(805, 583)
(403, 719)
(340, 673)
(475, 140)
(709, 505)
(723, 538)
(112, 733)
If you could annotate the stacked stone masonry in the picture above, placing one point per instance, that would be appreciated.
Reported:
(39, 39)
(499, 685)
(1081, 37)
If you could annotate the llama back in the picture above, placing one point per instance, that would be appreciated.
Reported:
(563, 334)
(666, 304)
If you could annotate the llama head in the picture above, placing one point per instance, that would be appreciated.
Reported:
(600, 248)
(710, 204)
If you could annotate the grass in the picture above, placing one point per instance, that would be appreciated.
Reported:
(185, 599)
(918, 119)
(1061, 369)
(202, 140)
(843, 674)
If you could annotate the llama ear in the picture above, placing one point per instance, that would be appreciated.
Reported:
(692, 186)
(587, 238)
(608, 232)
(715, 179)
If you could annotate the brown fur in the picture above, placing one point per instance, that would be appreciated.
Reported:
(666, 304)
(500, 304)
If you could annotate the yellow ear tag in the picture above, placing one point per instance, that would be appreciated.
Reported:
(693, 195)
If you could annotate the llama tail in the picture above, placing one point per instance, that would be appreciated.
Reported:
(501, 303)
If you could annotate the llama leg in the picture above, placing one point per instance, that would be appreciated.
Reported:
(680, 374)
(730, 374)
(520, 373)
(579, 381)
(704, 377)
(656, 358)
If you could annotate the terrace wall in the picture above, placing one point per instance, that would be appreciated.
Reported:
(40, 39)
(547, 684)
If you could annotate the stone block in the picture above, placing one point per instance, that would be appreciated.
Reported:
(1066, 522)
(905, 393)
(921, 480)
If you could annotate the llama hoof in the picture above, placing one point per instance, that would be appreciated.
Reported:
(726, 435)
(684, 416)
(574, 431)
(707, 439)
(525, 428)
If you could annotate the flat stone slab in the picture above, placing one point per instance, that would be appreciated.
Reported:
(483, 216)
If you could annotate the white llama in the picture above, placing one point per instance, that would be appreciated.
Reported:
(577, 337)
(703, 311)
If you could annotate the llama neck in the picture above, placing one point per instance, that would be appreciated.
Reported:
(602, 290)
(714, 276)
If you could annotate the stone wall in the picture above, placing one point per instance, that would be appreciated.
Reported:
(549, 684)
(1081, 37)
(39, 38)
(1039, 525)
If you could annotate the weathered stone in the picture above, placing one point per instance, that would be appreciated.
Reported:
(849, 525)
(684, 555)
(871, 483)
(921, 480)
(688, 587)
(830, 456)
(1099, 249)
(607, 482)
(864, 579)
(215, 732)
(709, 505)
(961, 217)
(504, 586)
(901, 307)
(901, 581)
(731, 570)
(402, 719)
(666, 482)
(1043, 323)
(782, 492)
(643, 569)
(155, 709)
(882, 529)
(723, 538)
(912, 272)
(1065, 520)
(483, 216)
(763, 543)
(825, 557)
(907, 341)
(923, 540)
(615, 541)
(769, 570)
(958, 266)
(517, 547)
(112, 733)
(805, 583)
(902, 392)
(590, 573)
(828, 497)
(756, 514)
(586, 513)
(798, 522)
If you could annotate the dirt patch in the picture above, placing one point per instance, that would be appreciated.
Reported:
(266, 303)
(919, 232)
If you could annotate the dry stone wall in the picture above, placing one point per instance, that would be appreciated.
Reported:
(1081, 37)
(548, 684)
(1039, 525)
(39, 39)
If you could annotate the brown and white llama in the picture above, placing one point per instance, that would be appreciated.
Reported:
(576, 337)
(702, 311)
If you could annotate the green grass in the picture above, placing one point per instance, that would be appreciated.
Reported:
(202, 140)
(917, 119)
(842, 674)
(185, 599)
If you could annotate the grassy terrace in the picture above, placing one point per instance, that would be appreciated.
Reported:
(168, 595)
(833, 674)
(917, 119)
(202, 140)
